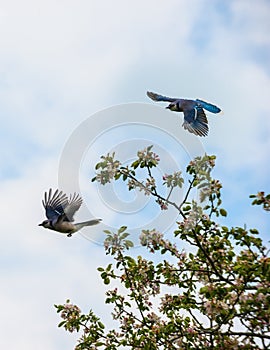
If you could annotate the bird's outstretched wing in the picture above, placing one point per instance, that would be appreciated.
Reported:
(59, 206)
(195, 121)
(54, 204)
(208, 106)
(157, 97)
(72, 206)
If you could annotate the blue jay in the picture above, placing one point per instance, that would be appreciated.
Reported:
(60, 211)
(195, 120)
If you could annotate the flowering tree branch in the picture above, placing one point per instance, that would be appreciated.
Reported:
(213, 295)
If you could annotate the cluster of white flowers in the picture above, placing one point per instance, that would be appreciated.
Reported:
(214, 306)
(70, 312)
(174, 179)
(209, 188)
(151, 238)
(146, 155)
(109, 167)
(150, 182)
(133, 183)
(195, 215)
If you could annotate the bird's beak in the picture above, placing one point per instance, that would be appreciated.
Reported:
(40, 224)
(168, 107)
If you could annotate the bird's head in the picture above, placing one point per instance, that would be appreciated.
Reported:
(173, 107)
(45, 223)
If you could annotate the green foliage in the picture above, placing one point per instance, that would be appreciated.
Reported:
(115, 242)
(261, 199)
(213, 295)
(108, 169)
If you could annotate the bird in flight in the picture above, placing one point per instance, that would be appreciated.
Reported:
(60, 210)
(195, 120)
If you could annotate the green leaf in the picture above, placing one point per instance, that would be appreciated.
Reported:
(254, 231)
(107, 232)
(129, 244)
(104, 275)
(61, 323)
(106, 281)
(187, 208)
(101, 325)
(122, 229)
(223, 212)
(98, 344)
(124, 235)
(117, 175)
(135, 164)
(109, 267)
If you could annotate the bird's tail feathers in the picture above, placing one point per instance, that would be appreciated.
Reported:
(87, 223)
(209, 106)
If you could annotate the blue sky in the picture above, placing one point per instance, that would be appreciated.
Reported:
(63, 63)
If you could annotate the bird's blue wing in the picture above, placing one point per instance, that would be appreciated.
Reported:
(54, 204)
(208, 106)
(195, 121)
(52, 214)
(157, 97)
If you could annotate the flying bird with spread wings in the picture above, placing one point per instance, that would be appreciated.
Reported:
(195, 120)
(60, 211)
